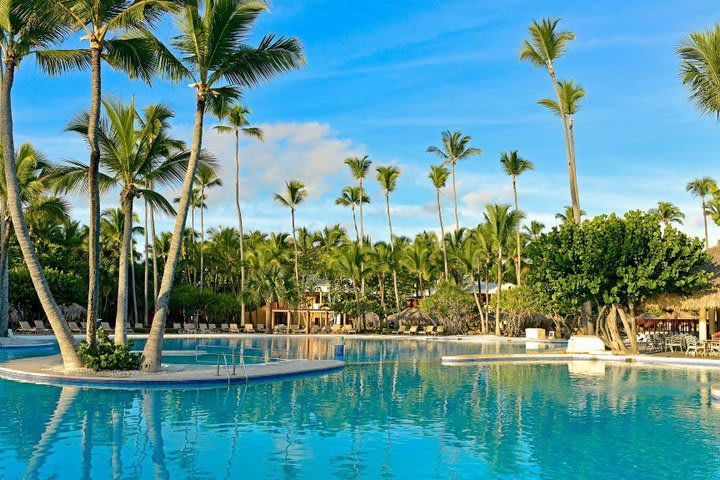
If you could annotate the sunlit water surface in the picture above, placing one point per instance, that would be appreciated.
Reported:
(394, 412)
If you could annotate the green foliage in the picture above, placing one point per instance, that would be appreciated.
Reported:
(67, 287)
(451, 304)
(613, 260)
(105, 355)
(215, 306)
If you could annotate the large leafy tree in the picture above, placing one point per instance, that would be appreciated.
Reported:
(514, 165)
(454, 148)
(213, 50)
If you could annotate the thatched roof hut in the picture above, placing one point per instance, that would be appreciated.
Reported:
(411, 316)
(73, 312)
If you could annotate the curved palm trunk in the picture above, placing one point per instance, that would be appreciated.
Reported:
(362, 241)
(476, 296)
(64, 337)
(357, 233)
(202, 238)
(457, 218)
(392, 249)
(153, 349)
(499, 292)
(297, 275)
(268, 317)
(154, 257)
(121, 315)
(442, 233)
(517, 233)
(571, 160)
(4, 264)
(240, 227)
(704, 212)
(146, 273)
(93, 303)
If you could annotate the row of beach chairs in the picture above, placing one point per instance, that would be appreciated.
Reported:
(39, 327)
(418, 330)
(189, 327)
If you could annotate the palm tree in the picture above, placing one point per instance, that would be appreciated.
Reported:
(545, 46)
(515, 165)
(438, 176)
(269, 284)
(454, 148)
(570, 96)
(469, 258)
(534, 230)
(110, 27)
(387, 178)
(359, 167)
(206, 177)
(667, 213)
(702, 187)
(568, 214)
(25, 29)
(212, 45)
(351, 197)
(237, 123)
(295, 193)
(699, 69)
(502, 223)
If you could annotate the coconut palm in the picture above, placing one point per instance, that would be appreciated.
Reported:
(387, 178)
(237, 123)
(454, 148)
(351, 197)
(269, 283)
(295, 193)
(546, 45)
(212, 49)
(700, 55)
(568, 214)
(667, 213)
(111, 28)
(702, 187)
(570, 96)
(26, 29)
(438, 176)
(502, 223)
(359, 167)
(534, 230)
(418, 259)
(469, 257)
(206, 177)
(514, 165)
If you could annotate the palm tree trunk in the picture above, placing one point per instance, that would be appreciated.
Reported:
(63, 335)
(477, 300)
(202, 237)
(268, 317)
(457, 218)
(240, 227)
(297, 275)
(153, 348)
(93, 302)
(499, 292)
(487, 295)
(192, 240)
(442, 232)
(517, 233)
(704, 211)
(357, 233)
(133, 290)
(146, 278)
(154, 256)
(121, 315)
(392, 249)
(4, 264)
(362, 242)
(571, 161)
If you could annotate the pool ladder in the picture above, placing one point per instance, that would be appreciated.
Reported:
(224, 356)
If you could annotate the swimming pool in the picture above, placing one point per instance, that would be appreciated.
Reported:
(394, 412)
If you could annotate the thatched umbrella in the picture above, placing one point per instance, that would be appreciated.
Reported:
(410, 316)
(73, 311)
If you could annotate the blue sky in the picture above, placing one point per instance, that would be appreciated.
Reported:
(387, 78)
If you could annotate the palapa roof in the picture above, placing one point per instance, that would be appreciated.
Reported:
(409, 316)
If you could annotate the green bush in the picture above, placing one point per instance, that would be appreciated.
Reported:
(451, 304)
(105, 355)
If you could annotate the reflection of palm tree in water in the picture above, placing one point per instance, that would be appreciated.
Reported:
(239, 397)
(153, 423)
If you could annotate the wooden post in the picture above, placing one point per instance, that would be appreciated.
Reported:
(702, 325)
(712, 321)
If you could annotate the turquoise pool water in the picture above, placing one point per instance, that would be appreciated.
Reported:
(395, 412)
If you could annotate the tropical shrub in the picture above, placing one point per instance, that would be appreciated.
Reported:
(452, 305)
(67, 287)
(105, 355)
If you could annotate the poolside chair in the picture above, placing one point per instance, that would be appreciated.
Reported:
(295, 328)
(139, 326)
(429, 330)
(693, 347)
(315, 329)
(439, 330)
(83, 325)
(336, 328)
(106, 326)
(234, 328)
(348, 329)
(177, 327)
(280, 329)
(204, 328)
(714, 349)
(326, 329)
(213, 327)
(673, 342)
(402, 329)
(413, 330)
(189, 327)
(261, 328)
(74, 327)
(40, 327)
(249, 328)
(25, 328)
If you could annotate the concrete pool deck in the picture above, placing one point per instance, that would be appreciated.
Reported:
(47, 370)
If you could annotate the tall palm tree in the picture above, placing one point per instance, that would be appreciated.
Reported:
(568, 214)
(667, 213)
(238, 123)
(469, 257)
(702, 187)
(359, 167)
(212, 49)
(699, 67)
(269, 283)
(502, 223)
(438, 176)
(570, 96)
(206, 177)
(26, 29)
(515, 165)
(546, 45)
(454, 148)
(387, 178)
(295, 193)
(111, 28)
(352, 197)
(534, 230)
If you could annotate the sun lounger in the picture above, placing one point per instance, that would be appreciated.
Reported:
(40, 327)
(224, 327)
(413, 330)
(204, 328)
(177, 327)
(281, 329)
(315, 329)
(25, 328)
(106, 326)
(83, 325)
(429, 330)
(402, 329)
(326, 329)
(261, 328)
(348, 329)
(189, 327)
(336, 328)
(249, 328)
(234, 328)
(74, 327)
(295, 328)
(139, 326)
